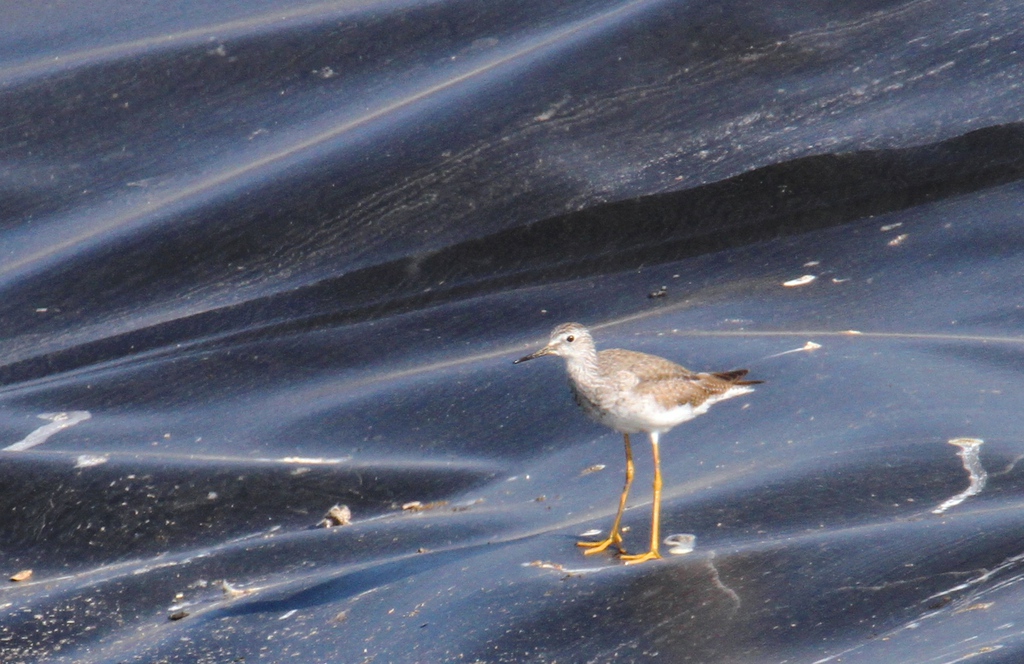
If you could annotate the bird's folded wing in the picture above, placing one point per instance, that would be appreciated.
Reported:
(645, 367)
(679, 391)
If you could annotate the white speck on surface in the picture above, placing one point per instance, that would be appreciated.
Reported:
(889, 227)
(87, 460)
(898, 240)
(232, 592)
(681, 543)
(339, 515)
(23, 575)
(593, 532)
(799, 281)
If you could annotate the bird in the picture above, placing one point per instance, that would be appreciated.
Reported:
(633, 392)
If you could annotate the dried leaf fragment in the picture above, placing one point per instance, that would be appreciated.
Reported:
(339, 515)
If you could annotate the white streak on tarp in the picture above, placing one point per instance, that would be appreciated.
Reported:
(968, 453)
(58, 422)
(808, 347)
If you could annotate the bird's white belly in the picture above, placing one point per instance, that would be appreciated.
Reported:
(633, 415)
(650, 418)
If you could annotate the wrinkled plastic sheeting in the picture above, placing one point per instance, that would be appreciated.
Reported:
(263, 259)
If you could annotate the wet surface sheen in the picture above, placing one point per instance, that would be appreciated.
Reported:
(260, 259)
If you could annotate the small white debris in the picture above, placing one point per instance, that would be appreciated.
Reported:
(837, 280)
(419, 506)
(889, 227)
(232, 592)
(593, 532)
(288, 614)
(799, 281)
(87, 460)
(852, 332)
(680, 544)
(812, 263)
(898, 240)
(339, 515)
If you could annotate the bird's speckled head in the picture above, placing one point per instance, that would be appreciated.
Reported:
(568, 340)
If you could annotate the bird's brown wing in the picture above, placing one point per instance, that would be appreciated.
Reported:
(694, 389)
(645, 367)
(668, 383)
(680, 391)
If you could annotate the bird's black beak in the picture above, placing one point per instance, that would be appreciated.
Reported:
(541, 353)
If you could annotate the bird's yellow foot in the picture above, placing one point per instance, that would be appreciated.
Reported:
(597, 547)
(637, 558)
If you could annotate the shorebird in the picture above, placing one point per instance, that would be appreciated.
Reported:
(633, 392)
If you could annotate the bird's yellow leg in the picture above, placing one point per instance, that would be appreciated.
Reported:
(615, 537)
(656, 512)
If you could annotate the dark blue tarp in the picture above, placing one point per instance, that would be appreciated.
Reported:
(262, 258)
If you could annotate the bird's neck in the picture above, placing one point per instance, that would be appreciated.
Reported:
(583, 369)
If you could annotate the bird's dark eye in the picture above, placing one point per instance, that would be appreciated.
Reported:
(570, 338)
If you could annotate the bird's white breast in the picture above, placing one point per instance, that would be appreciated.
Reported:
(633, 413)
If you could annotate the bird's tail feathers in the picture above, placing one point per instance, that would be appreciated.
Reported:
(735, 376)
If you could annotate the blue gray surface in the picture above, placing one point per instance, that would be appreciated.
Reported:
(259, 259)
